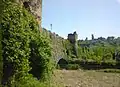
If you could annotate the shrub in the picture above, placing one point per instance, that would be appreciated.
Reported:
(72, 66)
(30, 82)
(40, 57)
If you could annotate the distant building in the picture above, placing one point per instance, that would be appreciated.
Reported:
(73, 37)
(92, 37)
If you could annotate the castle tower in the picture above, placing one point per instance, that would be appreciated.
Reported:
(34, 7)
(73, 39)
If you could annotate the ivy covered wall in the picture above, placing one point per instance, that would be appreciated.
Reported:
(57, 43)
(25, 50)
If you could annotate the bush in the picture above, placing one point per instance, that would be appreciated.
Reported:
(72, 66)
(29, 81)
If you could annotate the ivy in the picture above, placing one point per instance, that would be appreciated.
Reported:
(41, 57)
(1, 62)
(25, 50)
(15, 30)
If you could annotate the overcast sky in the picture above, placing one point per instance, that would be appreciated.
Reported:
(98, 17)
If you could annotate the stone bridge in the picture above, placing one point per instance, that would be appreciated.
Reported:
(35, 8)
(57, 42)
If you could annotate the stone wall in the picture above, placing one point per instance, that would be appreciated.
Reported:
(34, 7)
(57, 42)
(73, 37)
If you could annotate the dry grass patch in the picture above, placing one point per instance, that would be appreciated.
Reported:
(80, 78)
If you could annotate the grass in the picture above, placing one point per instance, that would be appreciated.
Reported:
(79, 78)
(87, 78)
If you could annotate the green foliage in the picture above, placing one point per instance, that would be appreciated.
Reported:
(61, 66)
(97, 53)
(29, 81)
(24, 47)
(1, 62)
(68, 66)
(41, 61)
(72, 66)
(16, 33)
(69, 49)
(79, 52)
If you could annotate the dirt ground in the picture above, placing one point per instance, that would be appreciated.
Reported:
(80, 78)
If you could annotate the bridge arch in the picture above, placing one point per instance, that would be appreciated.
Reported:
(62, 63)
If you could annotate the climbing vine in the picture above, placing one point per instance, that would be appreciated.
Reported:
(15, 29)
(25, 50)
(1, 62)
(41, 61)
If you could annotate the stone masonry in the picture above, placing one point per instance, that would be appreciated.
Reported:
(34, 7)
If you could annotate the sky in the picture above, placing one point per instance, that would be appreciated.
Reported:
(86, 17)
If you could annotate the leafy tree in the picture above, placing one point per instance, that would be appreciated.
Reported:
(92, 37)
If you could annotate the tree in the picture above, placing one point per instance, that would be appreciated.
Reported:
(86, 39)
(92, 37)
